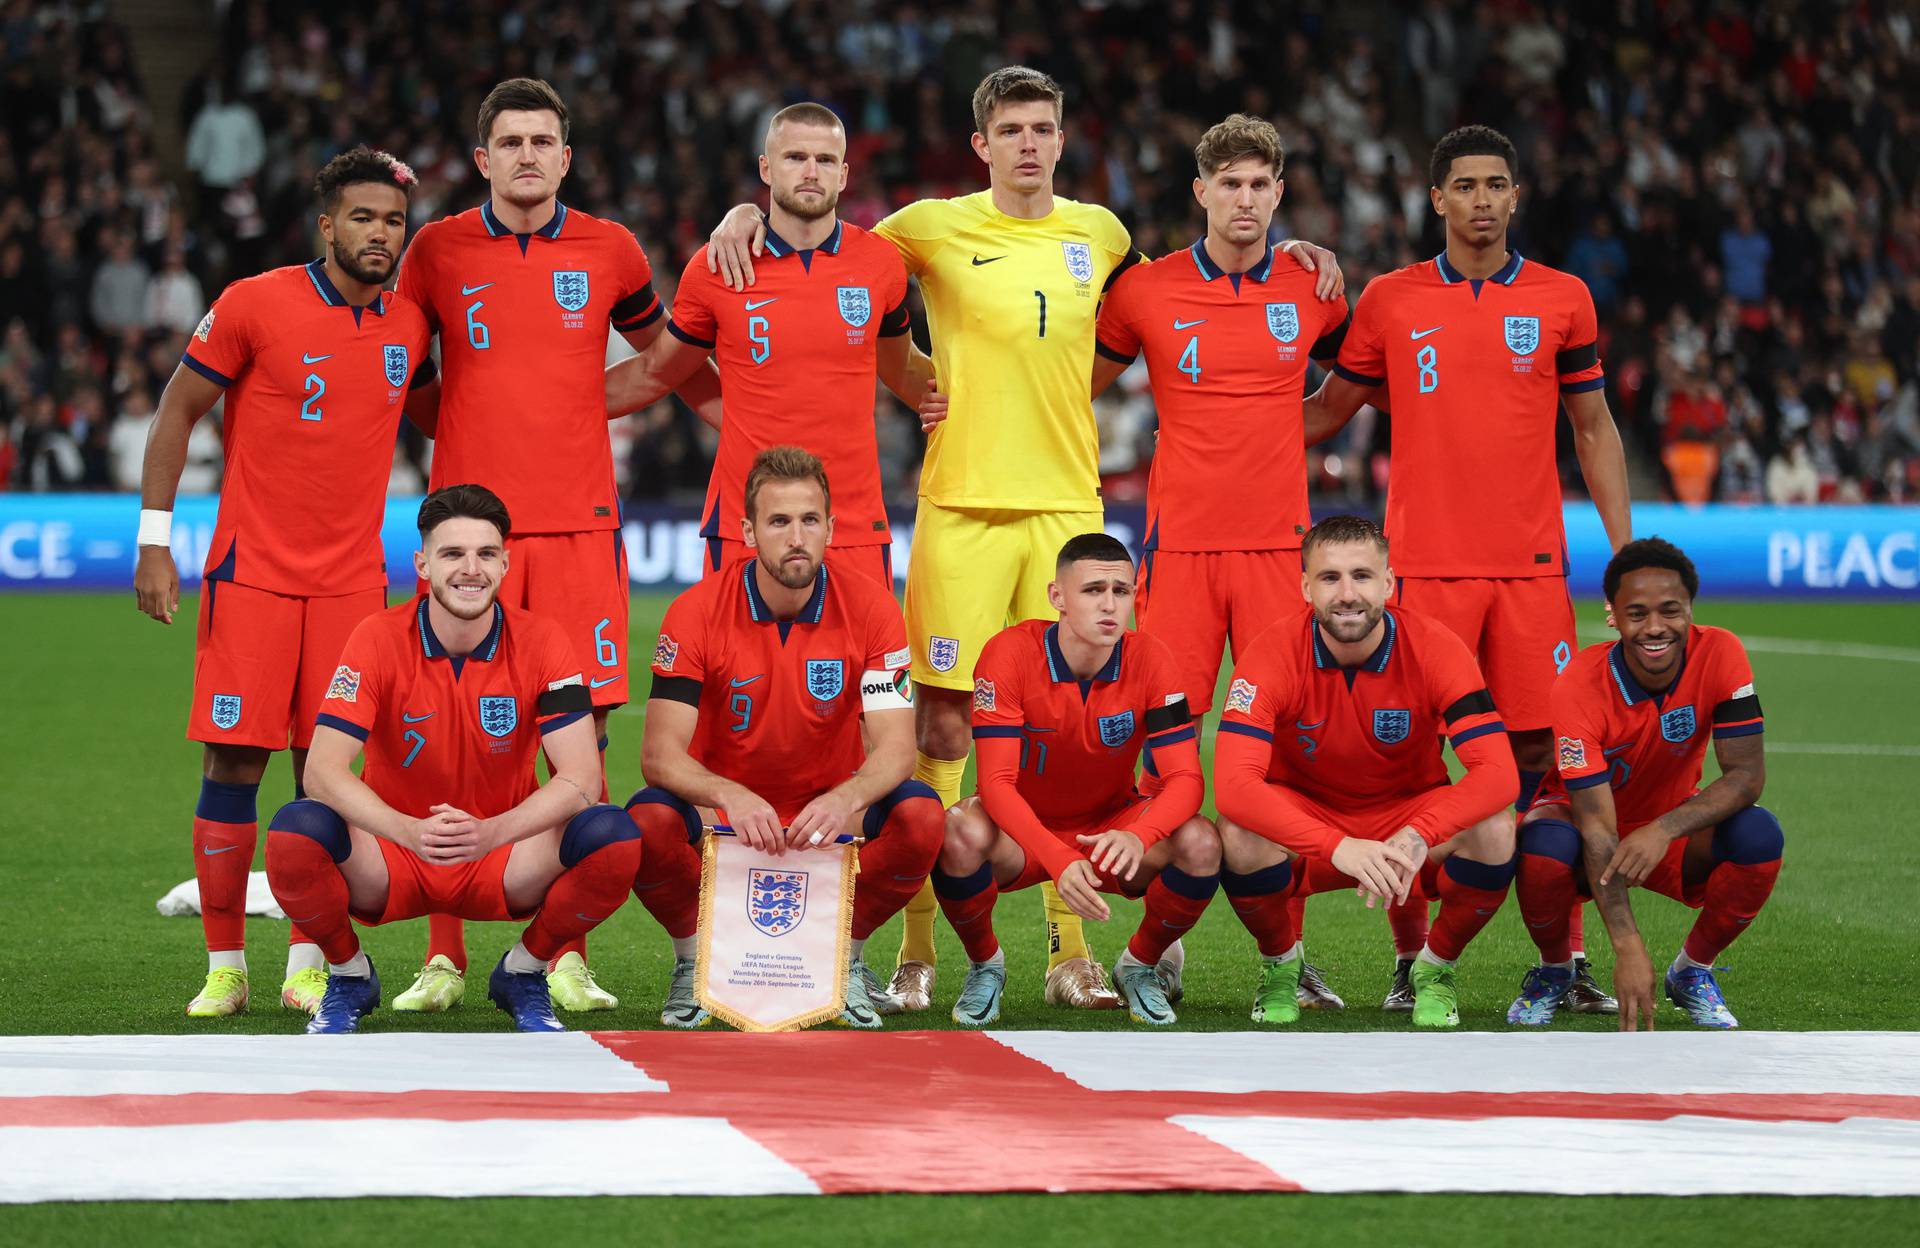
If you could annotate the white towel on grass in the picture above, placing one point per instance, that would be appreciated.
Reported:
(185, 898)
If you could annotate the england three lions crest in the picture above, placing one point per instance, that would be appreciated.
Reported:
(1678, 725)
(856, 305)
(776, 900)
(942, 653)
(825, 678)
(1523, 334)
(570, 289)
(499, 716)
(1283, 321)
(396, 362)
(1116, 729)
(1079, 261)
(1392, 727)
(226, 710)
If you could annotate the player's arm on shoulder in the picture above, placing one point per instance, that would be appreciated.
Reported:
(663, 366)
(731, 248)
(1116, 342)
(1329, 281)
(907, 372)
(189, 395)
(1359, 373)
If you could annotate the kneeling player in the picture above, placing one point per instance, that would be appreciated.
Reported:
(452, 696)
(763, 680)
(1632, 719)
(1328, 772)
(1062, 713)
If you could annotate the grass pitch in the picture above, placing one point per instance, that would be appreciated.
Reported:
(100, 786)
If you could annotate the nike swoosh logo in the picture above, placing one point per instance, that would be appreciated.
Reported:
(310, 918)
(749, 680)
(1179, 324)
(474, 290)
(314, 359)
(1423, 333)
(977, 261)
(224, 850)
(588, 918)
(415, 719)
(604, 680)
(1303, 726)
(760, 303)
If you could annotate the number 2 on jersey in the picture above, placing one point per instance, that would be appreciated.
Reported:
(315, 386)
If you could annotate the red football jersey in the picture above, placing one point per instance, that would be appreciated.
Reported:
(460, 730)
(1474, 372)
(315, 388)
(798, 359)
(1649, 746)
(1227, 357)
(523, 321)
(1365, 736)
(780, 701)
(1080, 741)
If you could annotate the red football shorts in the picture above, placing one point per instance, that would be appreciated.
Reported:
(261, 662)
(875, 562)
(1196, 601)
(467, 890)
(1033, 873)
(1520, 628)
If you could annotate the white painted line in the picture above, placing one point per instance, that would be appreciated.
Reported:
(1683, 1156)
(655, 1156)
(389, 1062)
(1794, 645)
(1869, 751)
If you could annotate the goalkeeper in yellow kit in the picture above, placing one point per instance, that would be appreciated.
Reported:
(1012, 278)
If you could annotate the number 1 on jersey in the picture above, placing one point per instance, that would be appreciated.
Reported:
(1041, 295)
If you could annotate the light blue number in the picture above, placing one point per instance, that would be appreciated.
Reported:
(1041, 295)
(1429, 361)
(741, 704)
(1037, 750)
(1190, 359)
(603, 647)
(419, 743)
(1562, 655)
(316, 386)
(757, 335)
(477, 336)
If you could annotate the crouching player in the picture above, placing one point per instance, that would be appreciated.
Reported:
(452, 696)
(1625, 810)
(763, 681)
(1062, 714)
(1328, 772)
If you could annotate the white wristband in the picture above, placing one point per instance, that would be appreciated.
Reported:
(156, 528)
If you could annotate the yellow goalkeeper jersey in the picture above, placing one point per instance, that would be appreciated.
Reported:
(1010, 309)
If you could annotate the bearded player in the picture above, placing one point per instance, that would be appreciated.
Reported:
(453, 696)
(1228, 327)
(315, 363)
(523, 292)
(781, 706)
(1475, 352)
(1012, 277)
(1328, 773)
(1625, 808)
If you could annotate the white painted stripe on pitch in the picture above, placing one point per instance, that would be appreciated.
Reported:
(391, 1062)
(655, 1156)
(1686, 1156)
(1794, 645)
(1870, 751)
(1661, 1062)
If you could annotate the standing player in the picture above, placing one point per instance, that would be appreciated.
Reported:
(766, 680)
(799, 355)
(1228, 326)
(1625, 808)
(523, 291)
(314, 361)
(1011, 277)
(453, 696)
(1063, 712)
(1328, 772)
(1476, 350)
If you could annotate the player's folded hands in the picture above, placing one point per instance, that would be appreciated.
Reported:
(1637, 854)
(1378, 867)
(1079, 887)
(449, 834)
(1116, 851)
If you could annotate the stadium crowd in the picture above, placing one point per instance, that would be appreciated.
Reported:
(1738, 184)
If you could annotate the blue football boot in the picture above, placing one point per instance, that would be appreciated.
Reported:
(1695, 990)
(524, 997)
(349, 998)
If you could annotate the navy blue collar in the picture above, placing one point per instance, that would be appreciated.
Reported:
(1375, 662)
(763, 614)
(1209, 270)
(1062, 674)
(1632, 692)
(435, 650)
(550, 230)
(1508, 271)
(330, 294)
(778, 246)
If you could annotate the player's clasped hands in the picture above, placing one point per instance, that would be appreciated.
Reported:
(156, 582)
(1079, 887)
(449, 834)
(1384, 870)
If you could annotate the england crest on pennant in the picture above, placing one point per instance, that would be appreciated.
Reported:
(776, 900)
(499, 716)
(396, 360)
(856, 305)
(226, 710)
(1115, 729)
(1391, 727)
(1283, 321)
(1678, 724)
(570, 288)
(1079, 261)
(825, 677)
(1523, 334)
